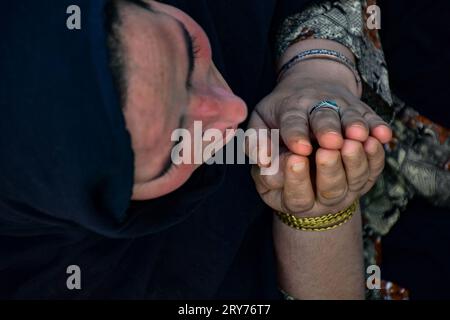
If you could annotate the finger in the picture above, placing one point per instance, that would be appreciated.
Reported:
(260, 185)
(298, 194)
(273, 181)
(326, 127)
(272, 197)
(294, 130)
(331, 180)
(258, 142)
(356, 165)
(378, 127)
(375, 156)
(383, 133)
(354, 124)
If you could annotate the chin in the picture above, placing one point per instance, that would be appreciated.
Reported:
(173, 179)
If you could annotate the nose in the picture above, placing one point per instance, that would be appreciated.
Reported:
(219, 108)
(217, 105)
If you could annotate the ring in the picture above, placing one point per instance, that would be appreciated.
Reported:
(327, 104)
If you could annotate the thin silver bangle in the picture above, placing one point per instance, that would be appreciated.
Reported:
(326, 55)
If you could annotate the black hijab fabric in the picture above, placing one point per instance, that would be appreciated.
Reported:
(66, 166)
(65, 154)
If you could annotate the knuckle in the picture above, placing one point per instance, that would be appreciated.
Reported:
(299, 204)
(354, 157)
(377, 163)
(378, 153)
(332, 196)
(378, 170)
(271, 181)
(292, 114)
(307, 99)
(369, 113)
(351, 111)
(354, 120)
(325, 123)
(358, 182)
(328, 164)
(291, 101)
(308, 93)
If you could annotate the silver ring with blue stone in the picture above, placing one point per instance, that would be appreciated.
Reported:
(325, 104)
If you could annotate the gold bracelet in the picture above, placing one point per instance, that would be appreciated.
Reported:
(322, 223)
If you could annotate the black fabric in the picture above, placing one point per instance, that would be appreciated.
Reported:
(415, 39)
(66, 166)
(61, 162)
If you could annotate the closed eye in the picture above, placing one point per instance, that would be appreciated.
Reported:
(195, 47)
(192, 52)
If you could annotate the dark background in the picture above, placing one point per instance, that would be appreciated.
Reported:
(415, 35)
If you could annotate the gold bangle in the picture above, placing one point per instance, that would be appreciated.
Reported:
(322, 223)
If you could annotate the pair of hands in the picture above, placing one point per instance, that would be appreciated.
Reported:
(349, 156)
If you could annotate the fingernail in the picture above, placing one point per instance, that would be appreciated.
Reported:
(298, 167)
(331, 160)
(303, 143)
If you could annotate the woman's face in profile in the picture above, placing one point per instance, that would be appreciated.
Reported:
(171, 82)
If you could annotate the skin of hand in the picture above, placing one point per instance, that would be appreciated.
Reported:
(305, 84)
(350, 155)
(334, 183)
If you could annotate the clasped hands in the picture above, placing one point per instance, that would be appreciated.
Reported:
(327, 159)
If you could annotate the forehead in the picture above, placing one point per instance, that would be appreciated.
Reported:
(153, 51)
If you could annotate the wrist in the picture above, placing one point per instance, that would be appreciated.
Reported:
(322, 222)
(309, 44)
(321, 71)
